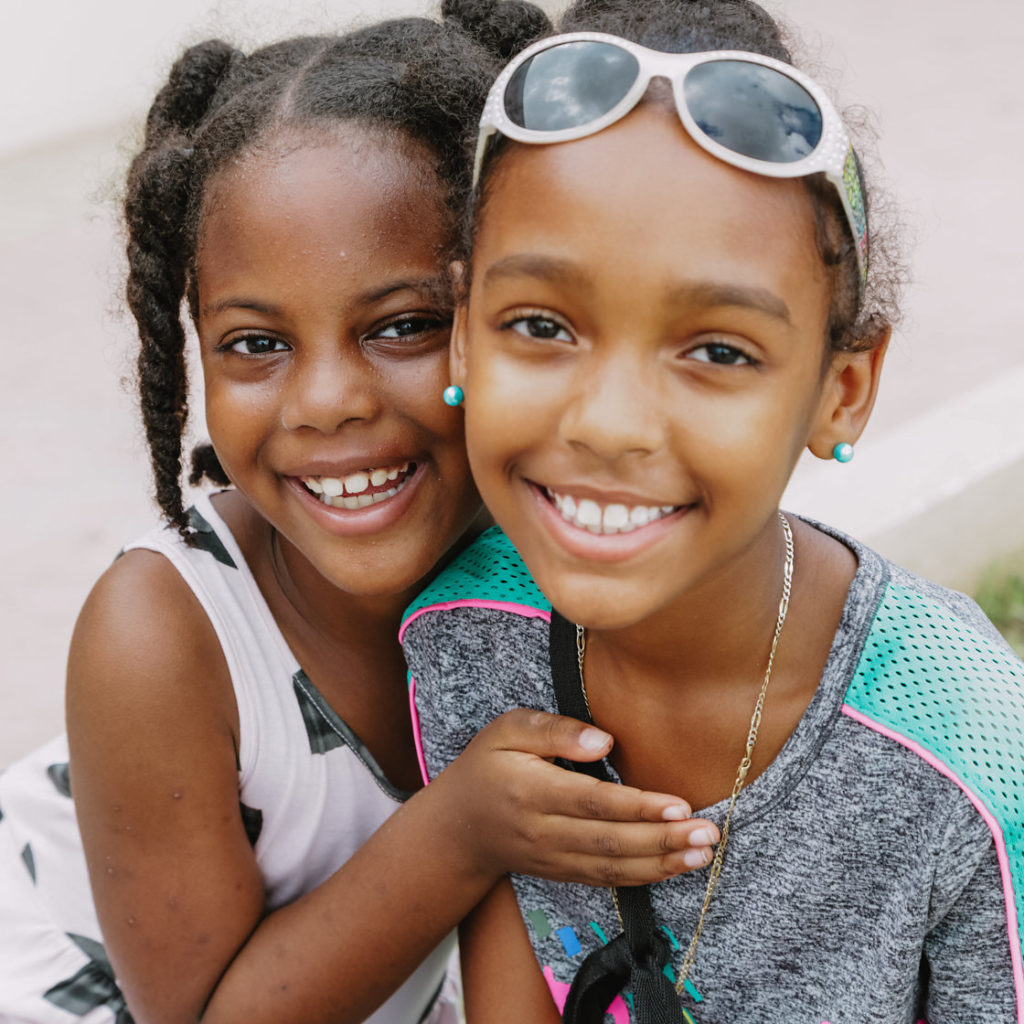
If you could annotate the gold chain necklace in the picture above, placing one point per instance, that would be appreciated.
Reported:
(741, 773)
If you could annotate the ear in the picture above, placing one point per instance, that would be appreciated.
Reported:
(457, 351)
(847, 396)
(457, 358)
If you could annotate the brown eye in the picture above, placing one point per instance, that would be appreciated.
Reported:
(256, 345)
(541, 327)
(411, 326)
(721, 354)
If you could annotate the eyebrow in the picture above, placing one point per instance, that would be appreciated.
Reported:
(432, 286)
(549, 268)
(690, 293)
(238, 302)
(715, 293)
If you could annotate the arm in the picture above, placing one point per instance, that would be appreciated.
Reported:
(501, 979)
(970, 973)
(177, 887)
(152, 726)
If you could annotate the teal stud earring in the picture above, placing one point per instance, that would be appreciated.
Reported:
(453, 396)
(842, 452)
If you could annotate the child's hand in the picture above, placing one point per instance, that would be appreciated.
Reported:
(529, 816)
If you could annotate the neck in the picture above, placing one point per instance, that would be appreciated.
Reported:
(716, 634)
(338, 618)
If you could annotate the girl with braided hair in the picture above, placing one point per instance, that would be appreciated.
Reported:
(241, 749)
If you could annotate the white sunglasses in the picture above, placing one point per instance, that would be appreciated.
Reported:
(748, 110)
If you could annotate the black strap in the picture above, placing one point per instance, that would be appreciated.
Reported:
(637, 957)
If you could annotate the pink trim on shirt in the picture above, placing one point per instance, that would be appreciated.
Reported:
(997, 835)
(525, 610)
(417, 740)
(499, 606)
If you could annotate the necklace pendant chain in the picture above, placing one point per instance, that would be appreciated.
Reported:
(744, 766)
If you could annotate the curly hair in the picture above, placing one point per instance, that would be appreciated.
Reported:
(424, 79)
(857, 314)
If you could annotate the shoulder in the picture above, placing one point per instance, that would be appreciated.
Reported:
(491, 574)
(476, 642)
(483, 610)
(931, 654)
(936, 679)
(144, 641)
(916, 646)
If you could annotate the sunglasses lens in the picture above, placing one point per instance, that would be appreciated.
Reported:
(569, 85)
(752, 110)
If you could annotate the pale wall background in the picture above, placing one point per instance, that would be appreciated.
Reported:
(938, 483)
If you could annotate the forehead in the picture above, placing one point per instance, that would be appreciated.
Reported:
(640, 202)
(356, 195)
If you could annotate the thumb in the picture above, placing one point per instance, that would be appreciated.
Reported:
(548, 736)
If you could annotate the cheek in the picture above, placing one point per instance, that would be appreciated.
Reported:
(416, 395)
(510, 401)
(753, 442)
(238, 417)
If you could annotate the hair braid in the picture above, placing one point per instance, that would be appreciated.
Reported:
(155, 210)
(156, 207)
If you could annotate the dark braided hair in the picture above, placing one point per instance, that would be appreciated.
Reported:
(424, 79)
(692, 26)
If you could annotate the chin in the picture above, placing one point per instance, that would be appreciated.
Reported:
(383, 585)
(600, 607)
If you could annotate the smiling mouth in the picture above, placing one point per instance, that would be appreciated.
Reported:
(360, 489)
(587, 514)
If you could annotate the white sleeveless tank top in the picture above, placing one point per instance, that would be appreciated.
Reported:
(310, 795)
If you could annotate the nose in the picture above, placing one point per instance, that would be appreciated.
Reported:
(329, 389)
(613, 409)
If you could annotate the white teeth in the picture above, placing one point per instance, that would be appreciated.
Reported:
(350, 491)
(615, 517)
(587, 514)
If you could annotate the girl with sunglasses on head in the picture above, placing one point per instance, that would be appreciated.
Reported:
(237, 708)
(674, 290)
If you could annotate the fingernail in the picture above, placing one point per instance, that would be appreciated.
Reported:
(677, 812)
(593, 739)
(702, 837)
(695, 858)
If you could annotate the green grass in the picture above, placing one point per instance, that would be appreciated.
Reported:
(1001, 595)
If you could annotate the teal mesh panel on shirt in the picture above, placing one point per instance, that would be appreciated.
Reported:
(489, 570)
(928, 676)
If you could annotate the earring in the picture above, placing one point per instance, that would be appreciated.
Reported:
(453, 395)
(842, 452)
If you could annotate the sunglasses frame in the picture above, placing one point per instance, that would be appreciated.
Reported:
(833, 156)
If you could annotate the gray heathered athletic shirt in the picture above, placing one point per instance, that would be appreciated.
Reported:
(861, 882)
